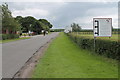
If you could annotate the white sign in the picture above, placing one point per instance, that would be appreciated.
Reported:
(102, 27)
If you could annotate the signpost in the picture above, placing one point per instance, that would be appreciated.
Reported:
(102, 27)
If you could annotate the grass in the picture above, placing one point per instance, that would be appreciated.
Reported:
(64, 59)
(10, 40)
(113, 38)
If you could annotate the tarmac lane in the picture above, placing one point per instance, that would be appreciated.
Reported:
(15, 54)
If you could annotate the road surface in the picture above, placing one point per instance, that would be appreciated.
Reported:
(15, 54)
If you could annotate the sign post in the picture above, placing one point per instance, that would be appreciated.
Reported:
(102, 27)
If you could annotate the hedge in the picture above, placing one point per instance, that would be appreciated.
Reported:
(9, 36)
(110, 49)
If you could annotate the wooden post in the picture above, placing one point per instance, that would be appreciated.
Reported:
(94, 43)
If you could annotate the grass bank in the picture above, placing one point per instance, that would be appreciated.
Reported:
(10, 40)
(64, 59)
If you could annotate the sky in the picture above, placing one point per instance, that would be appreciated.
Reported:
(62, 14)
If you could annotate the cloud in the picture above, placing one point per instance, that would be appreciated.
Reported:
(62, 14)
(61, 1)
(109, 12)
(31, 12)
(102, 11)
(87, 22)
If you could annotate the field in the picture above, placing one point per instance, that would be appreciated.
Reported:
(113, 38)
(64, 59)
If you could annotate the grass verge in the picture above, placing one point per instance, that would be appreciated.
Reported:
(64, 59)
(10, 40)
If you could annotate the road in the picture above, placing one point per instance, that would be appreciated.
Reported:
(15, 54)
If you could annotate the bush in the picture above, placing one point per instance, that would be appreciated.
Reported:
(109, 49)
(4, 36)
(9, 36)
(16, 36)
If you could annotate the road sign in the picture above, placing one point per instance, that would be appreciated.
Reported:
(102, 27)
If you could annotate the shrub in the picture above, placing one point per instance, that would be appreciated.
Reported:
(4, 37)
(9, 36)
(109, 49)
(16, 36)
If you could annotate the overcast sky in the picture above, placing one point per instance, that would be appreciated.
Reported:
(62, 14)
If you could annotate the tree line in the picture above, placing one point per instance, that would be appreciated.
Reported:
(77, 28)
(19, 24)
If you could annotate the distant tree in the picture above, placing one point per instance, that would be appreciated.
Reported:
(19, 19)
(76, 27)
(44, 27)
(27, 23)
(45, 22)
(38, 27)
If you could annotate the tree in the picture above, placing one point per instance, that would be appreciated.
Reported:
(27, 23)
(19, 19)
(37, 27)
(76, 27)
(45, 22)
(9, 25)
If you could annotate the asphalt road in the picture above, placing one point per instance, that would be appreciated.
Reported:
(15, 54)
